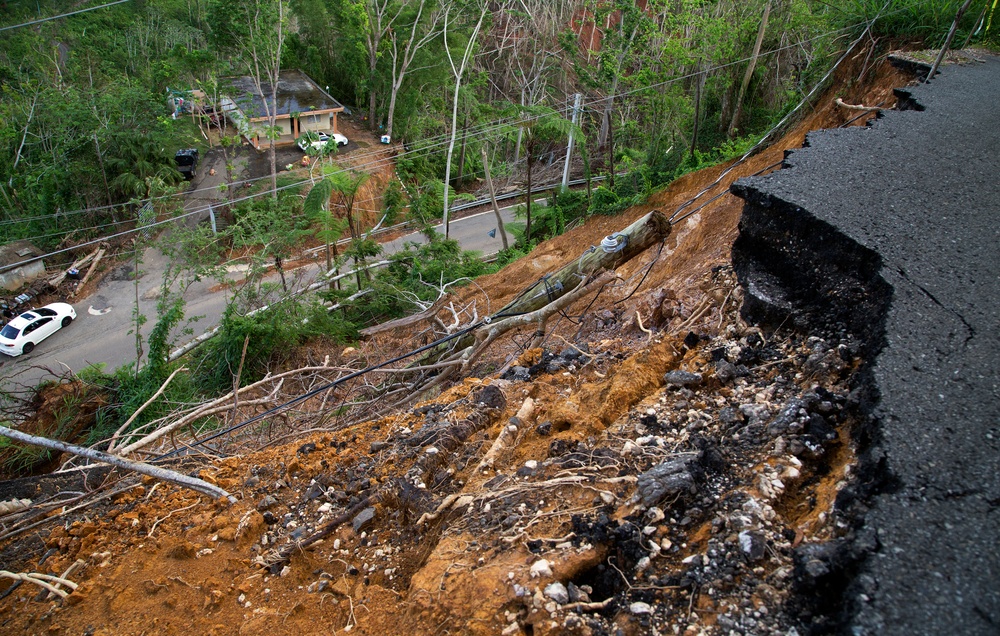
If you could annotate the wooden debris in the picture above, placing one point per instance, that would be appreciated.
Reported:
(58, 280)
(93, 266)
(163, 474)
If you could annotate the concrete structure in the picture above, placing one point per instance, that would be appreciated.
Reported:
(300, 106)
(11, 278)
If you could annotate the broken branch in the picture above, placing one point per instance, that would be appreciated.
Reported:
(164, 474)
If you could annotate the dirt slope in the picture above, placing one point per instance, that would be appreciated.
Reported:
(658, 461)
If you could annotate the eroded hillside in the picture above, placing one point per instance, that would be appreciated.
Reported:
(649, 464)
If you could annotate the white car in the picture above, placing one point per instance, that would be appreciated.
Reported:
(317, 140)
(22, 333)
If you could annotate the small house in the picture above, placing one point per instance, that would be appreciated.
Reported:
(20, 263)
(300, 105)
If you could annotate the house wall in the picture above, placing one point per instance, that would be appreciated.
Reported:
(317, 121)
(13, 279)
(285, 125)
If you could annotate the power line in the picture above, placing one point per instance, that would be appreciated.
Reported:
(302, 397)
(441, 140)
(63, 15)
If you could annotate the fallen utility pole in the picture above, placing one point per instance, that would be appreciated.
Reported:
(615, 249)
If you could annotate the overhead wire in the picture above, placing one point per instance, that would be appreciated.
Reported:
(302, 397)
(564, 106)
(63, 15)
(440, 140)
(421, 151)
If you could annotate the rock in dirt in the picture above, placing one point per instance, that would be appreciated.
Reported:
(672, 477)
(266, 503)
(752, 544)
(491, 397)
(682, 378)
(640, 608)
(541, 568)
(363, 518)
(557, 592)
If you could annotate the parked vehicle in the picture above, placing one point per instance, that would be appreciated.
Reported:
(22, 333)
(187, 162)
(317, 140)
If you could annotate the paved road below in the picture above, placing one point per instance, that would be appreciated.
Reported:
(921, 190)
(101, 335)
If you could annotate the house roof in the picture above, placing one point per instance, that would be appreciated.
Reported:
(17, 251)
(297, 93)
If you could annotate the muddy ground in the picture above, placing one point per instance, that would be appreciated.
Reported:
(653, 464)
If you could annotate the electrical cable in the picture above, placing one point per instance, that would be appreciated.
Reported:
(64, 15)
(305, 396)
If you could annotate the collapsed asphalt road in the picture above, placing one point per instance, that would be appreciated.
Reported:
(890, 233)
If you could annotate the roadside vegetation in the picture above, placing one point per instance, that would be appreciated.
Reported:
(88, 127)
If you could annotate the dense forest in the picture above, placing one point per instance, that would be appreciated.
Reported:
(87, 131)
(646, 89)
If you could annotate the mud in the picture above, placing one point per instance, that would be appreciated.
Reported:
(555, 537)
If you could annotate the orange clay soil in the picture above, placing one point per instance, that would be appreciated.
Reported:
(157, 559)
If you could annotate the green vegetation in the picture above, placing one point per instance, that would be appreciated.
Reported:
(89, 125)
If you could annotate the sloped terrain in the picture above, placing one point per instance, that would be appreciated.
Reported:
(652, 464)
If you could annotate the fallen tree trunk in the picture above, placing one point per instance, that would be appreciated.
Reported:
(615, 249)
(163, 474)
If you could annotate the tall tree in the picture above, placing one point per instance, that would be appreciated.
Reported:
(382, 18)
(458, 71)
(417, 27)
(255, 31)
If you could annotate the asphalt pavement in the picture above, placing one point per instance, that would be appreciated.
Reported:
(104, 332)
(920, 189)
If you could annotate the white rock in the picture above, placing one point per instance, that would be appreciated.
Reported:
(432, 450)
(540, 568)
(648, 530)
(511, 629)
(336, 544)
(607, 497)
(693, 559)
(557, 592)
(531, 464)
(629, 448)
(640, 608)
(327, 507)
(655, 515)
(642, 565)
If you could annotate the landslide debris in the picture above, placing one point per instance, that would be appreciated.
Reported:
(656, 465)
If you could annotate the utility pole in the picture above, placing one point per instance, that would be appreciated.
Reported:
(569, 147)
